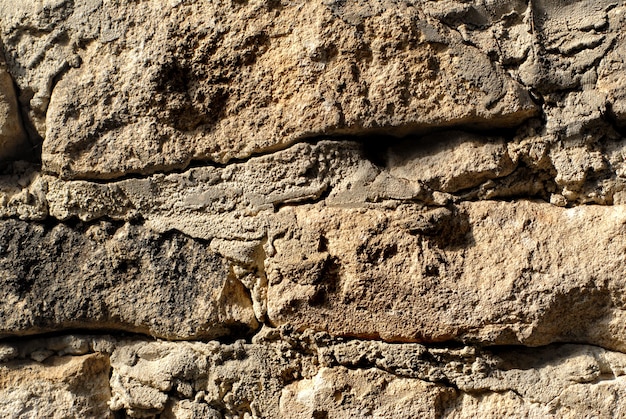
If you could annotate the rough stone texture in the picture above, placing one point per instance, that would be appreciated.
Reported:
(340, 392)
(484, 271)
(60, 387)
(312, 209)
(169, 83)
(287, 375)
(380, 256)
(120, 277)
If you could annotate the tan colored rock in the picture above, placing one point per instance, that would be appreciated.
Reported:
(288, 374)
(325, 254)
(451, 161)
(497, 272)
(140, 94)
(23, 192)
(611, 68)
(61, 387)
(234, 203)
(575, 165)
(182, 379)
(209, 202)
(386, 248)
(560, 381)
(497, 405)
(570, 39)
(13, 140)
(187, 409)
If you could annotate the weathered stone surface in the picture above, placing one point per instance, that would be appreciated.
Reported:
(451, 161)
(212, 202)
(288, 375)
(341, 392)
(611, 68)
(494, 272)
(566, 381)
(120, 277)
(165, 84)
(61, 387)
(13, 140)
(371, 379)
(232, 170)
(23, 192)
(232, 202)
(572, 37)
(176, 378)
(381, 236)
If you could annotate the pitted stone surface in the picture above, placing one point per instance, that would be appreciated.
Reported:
(120, 277)
(169, 83)
(315, 209)
(282, 374)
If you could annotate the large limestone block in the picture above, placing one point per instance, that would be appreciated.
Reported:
(122, 277)
(142, 87)
(493, 272)
(13, 140)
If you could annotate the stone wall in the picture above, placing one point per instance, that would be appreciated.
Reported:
(312, 209)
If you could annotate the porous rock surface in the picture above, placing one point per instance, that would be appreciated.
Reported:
(312, 209)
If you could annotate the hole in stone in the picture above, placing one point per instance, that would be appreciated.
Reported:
(320, 414)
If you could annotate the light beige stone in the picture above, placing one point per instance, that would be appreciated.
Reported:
(187, 409)
(61, 387)
(497, 272)
(387, 246)
(343, 393)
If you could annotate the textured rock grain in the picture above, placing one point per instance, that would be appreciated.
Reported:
(312, 209)
(287, 375)
(166, 84)
(120, 277)
(490, 272)
(60, 387)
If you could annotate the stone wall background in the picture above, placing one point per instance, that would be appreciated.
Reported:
(316, 209)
